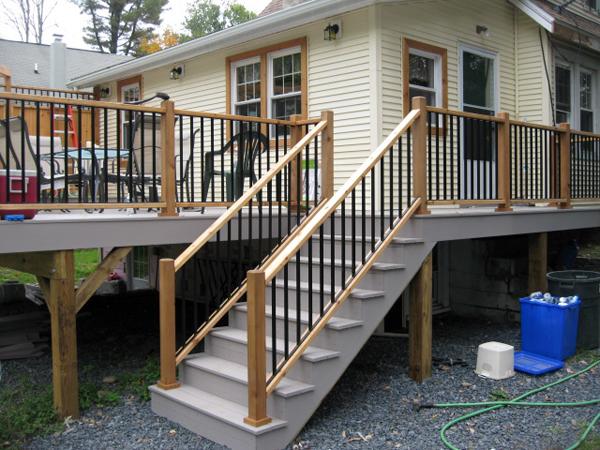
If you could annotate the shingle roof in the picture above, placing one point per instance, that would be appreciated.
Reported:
(278, 5)
(568, 17)
(21, 57)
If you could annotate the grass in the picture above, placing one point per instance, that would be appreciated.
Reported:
(26, 409)
(85, 263)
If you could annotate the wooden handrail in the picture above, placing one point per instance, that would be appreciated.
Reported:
(77, 102)
(321, 216)
(62, 91)
(265, 120)
(465, 114)
(246, 198)
(309, 335)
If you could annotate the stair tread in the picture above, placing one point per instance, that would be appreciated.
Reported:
(311, 354)
(396, 240)
(338, 262)
(335, 323)
(363, 294)
(238, 372)
(217, 407)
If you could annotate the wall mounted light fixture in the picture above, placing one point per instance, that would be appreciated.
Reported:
(482, 30)
(332, 31)
(104, 92)
(176, 73)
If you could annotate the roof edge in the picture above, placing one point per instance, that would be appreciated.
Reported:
(260, 27)
(541, 17)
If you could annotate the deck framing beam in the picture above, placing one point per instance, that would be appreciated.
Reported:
(420, 322)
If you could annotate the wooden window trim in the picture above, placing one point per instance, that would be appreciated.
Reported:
(131, 80)
(263, 54)
(407, 44)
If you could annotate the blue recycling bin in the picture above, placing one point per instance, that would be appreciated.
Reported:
(549, 330)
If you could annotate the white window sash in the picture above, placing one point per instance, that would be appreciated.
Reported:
(233, 70)
(437, 74)
(271, 86)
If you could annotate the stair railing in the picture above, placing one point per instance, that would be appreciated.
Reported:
(275, 207)
(397, 168)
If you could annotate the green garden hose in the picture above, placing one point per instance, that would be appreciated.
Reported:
(490, 406)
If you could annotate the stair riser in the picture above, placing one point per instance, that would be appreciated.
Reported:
(233, 390)
(371, 281)
(237, 352)
(394, 253)
(327, 336)
(215, 429)
(352, 309)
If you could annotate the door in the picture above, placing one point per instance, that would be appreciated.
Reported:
(478, 92)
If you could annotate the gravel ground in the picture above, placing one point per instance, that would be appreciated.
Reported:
(370, 407)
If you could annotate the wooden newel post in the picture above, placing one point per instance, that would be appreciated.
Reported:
(257, 351)
(419, 132)
(504, 163)
(296, 165)
(565, 166)
(327, 163)
(167, 136)
(168, 367)
(7, 75)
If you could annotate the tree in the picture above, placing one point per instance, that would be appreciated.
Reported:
(28, 17)
(168, 39)
(205, 17)
(118, 26)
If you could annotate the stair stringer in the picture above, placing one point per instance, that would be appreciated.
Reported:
(291, 414)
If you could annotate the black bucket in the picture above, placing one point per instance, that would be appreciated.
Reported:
(586, 285)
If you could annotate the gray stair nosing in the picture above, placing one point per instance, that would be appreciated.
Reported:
(282, 390)
(362, 294)
(307, 355)
(185, 397)
(377, 266)
(336, 324)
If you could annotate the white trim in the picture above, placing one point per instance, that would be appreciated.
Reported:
(541, 17)
(486, 54)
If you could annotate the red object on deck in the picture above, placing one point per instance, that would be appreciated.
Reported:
(17, 186)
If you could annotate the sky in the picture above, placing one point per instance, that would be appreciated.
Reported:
(67, 20)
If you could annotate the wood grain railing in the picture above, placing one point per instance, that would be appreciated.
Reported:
(270, 212)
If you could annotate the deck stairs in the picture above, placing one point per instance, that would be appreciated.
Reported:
(212, 400)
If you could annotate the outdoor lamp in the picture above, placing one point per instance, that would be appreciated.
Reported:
(176, 72)
(330, 32)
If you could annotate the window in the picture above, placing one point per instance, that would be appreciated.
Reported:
(129, 90)
(586, 108)
(563, 94)
(285, 83)
(246, 100)
(141, 267)
(424, 73)
(593, 5)
(270, 82)
(575, 96)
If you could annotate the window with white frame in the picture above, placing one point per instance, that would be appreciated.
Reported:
(562, 76)
(586, 98)
(285, 83)
(130, 92)
(246, 87)
(575, 96)
(424, 76)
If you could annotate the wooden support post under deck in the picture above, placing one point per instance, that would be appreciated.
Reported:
(420, 322)
(167, 135)
(504, 163)
(296, 165)
(168, 366)
(419, 132)
(538, 262)
(327, 157)
(565, 166)
(257, 352)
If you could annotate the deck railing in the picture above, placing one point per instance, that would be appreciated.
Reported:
(83, 154)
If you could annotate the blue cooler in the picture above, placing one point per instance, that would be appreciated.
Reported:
(549, 330)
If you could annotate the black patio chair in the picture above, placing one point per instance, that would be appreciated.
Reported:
(248, 145)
